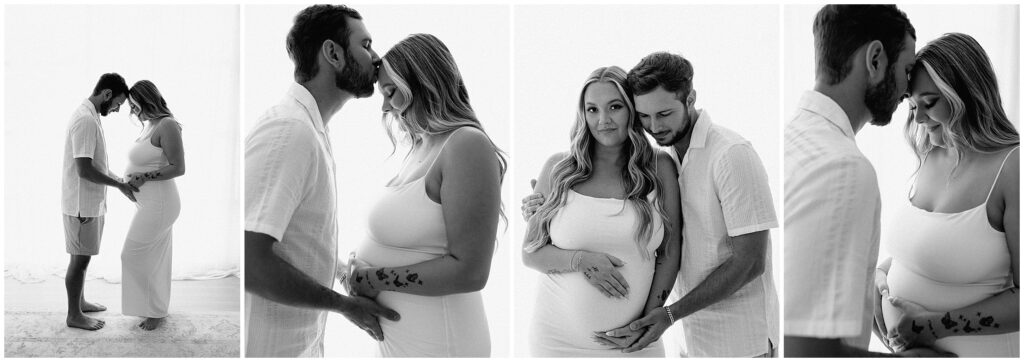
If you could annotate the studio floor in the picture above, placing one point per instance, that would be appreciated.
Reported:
(203, 322)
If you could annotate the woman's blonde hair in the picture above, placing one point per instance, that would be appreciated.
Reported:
(639, 176)
(436, 100)
(962, 72)
(151, 103)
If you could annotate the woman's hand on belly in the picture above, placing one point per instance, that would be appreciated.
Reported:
(914, 327)
(601, 271)
(881, 292)
(355, 286)
(136, 179)
(616, 341)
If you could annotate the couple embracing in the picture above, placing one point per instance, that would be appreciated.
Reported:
(156, 158)
(616, 224)
(951, 283)
(415, 288)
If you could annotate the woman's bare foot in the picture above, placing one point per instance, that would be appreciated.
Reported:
(151, 323)
(83, 322)
(92, 307)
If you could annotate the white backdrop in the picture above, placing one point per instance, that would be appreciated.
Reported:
(54, 56)
(735, 54)
(478, 37)
(996, 27)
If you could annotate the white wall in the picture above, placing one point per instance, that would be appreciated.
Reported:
(54, 56)
(735, 54)
(478, 37)
(996, 27)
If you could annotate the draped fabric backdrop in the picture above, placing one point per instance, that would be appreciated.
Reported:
(478, 37)
(54, 56)
(735, 54)
(996, 27)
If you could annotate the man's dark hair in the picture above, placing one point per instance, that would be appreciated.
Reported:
(314, 25)
(670, 71)
(112, 81)
(839, 30)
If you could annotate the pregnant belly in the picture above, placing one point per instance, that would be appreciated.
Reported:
(443, 326)
(569, 309)
(385, 256)
(935, 296)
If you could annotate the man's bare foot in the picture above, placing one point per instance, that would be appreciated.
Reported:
(92, 307)
(83, 322)
(151, 323)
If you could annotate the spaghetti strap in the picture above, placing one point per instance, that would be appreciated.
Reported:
(999, 173)
(438, 155)
(913, 182)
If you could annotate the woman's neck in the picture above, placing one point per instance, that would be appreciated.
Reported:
(428, 141)
(610, 155)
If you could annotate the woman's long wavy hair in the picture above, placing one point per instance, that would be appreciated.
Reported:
(151, 103)
(639, 176)
(436, 100)
(963, 73)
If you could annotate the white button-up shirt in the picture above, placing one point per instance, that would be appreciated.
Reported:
(724, 191)
(290, 195)
(833, 211)
(84, 138)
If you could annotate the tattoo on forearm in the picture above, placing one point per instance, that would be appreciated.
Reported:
(950, 324)
(663, 296)
(916, 328)
(557, 271)
(398, 279)
(413, 278)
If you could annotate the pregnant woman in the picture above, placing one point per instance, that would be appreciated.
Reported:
(155, 160)
(607, 237)
(952, 282)
(432, 235)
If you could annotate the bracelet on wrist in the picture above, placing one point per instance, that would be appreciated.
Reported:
(574, 262)
(671, 318)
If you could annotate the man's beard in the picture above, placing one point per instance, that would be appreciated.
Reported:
(105, 107)
(353, 80)
(881, 99)
(671, 141)
(678, 135)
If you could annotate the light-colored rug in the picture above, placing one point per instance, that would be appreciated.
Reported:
(45, 334)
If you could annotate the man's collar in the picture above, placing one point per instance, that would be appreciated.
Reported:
(92, 108)
(824, 106)
(305, 98)
(701, 129)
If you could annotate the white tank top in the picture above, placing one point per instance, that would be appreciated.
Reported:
(144, 156)
(407, 223)
(946, 261)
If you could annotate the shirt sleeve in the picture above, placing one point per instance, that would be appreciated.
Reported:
(742, 187)
(278, 158)
(84, 134)
(830, 248)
